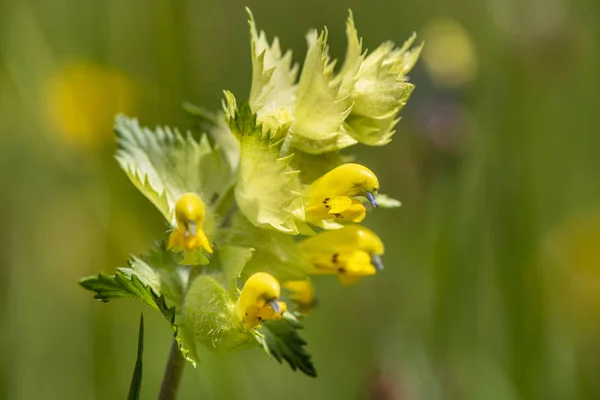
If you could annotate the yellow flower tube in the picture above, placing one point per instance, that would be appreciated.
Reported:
(350, 252)
(259, 300)
(332, 195)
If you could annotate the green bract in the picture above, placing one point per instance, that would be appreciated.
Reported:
(325, 111)
(235, 196)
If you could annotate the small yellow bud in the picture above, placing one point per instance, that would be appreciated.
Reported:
(259, 300)
(303, 294)
(331, 196)
(189, 214)
(350, 252)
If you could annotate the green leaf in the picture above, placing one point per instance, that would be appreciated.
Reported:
(312, 166)
(274, 252)
(164, 164)
(280, 339)
(140, 282)
(268, 190)
(233, 259)
(214, 124)
(135, 388)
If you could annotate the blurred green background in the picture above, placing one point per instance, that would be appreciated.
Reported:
(492, 281)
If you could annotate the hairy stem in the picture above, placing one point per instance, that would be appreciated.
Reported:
(173, 374)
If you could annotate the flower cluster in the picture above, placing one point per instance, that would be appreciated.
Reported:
(265, 199)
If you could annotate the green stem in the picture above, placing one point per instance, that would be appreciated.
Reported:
(173, 374)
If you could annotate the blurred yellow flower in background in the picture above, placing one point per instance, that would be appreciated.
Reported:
(572, 257)
(81, 100)
(449, 55)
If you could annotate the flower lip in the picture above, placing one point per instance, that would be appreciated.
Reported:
(371, 198)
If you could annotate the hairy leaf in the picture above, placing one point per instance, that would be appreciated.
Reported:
(273, 77)
(164, 164)
(380, 92)
(268, 190)
(280, 339)
(322, 103)
(141, 282)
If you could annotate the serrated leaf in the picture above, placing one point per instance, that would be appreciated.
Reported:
(214, 124)
(135, 388)
(380, 92)
(274, 252)
(280, 339)
(268, 190)
(354, 54)
(140, 282)
(273, 75)
(164, 164)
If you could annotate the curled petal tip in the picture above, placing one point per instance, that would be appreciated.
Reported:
(371, 199)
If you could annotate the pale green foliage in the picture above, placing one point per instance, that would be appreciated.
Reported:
(268, 190)
(324, 111)
(274, 252)
(271, 70)
(218, 131)
(232, 260)
(323, 103)
(381, 91)
(164, 164)
(252, 168)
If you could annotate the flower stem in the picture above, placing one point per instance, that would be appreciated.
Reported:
(173, 374)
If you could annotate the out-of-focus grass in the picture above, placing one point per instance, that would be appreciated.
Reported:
(491, 283)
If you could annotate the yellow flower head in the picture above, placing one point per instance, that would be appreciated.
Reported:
(350, 252)
(82, 99)
(332, 195)
(259, 300)
(303, 294)
(189, 214)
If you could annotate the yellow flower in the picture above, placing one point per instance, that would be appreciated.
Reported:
(189, 213)
(350, 252)
(332, 195)
(303, 294)
(259, 300)
(82, 98)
